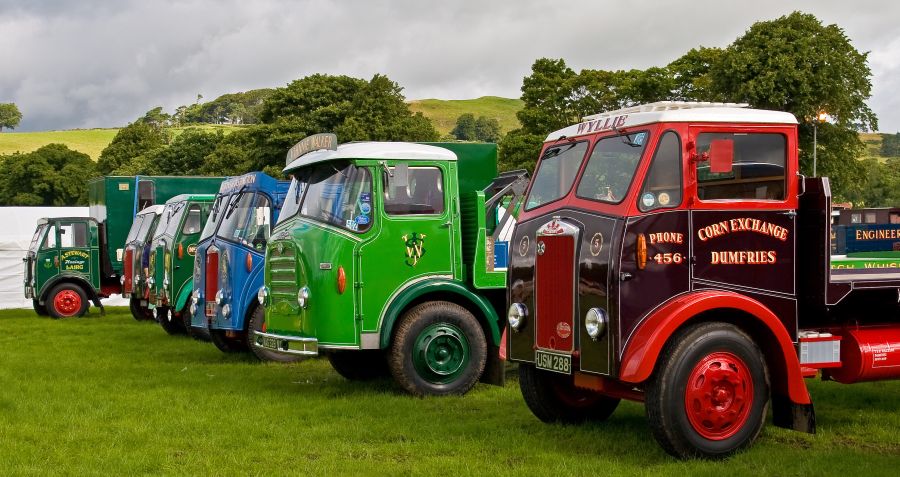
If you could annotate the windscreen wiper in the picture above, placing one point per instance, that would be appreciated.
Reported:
(626, 137)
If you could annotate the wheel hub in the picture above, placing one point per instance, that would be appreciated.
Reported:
(67, 302)
(719, 395)
(441, 353)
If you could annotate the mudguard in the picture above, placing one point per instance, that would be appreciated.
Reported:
(184, 293)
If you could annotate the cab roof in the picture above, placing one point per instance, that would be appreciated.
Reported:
(153, 209)
(374, 150)
(192, 198)
(673, 111)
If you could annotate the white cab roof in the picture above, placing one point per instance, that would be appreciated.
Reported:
(673, 111)
(375, 150)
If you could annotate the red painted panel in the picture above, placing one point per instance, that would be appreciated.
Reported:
(211, 277)
(128, 271)
(554, 287)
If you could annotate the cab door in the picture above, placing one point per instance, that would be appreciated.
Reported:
(415, 240)
(743, 217)
(47, 257)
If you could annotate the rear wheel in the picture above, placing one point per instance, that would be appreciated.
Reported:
(553, 397)
(67, 300)
(41, 310)
(166, 317)
(710, 393)
(439, 348)
(140, 313)
(359, 365)
(256, 323)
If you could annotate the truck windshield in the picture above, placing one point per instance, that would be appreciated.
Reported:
(247, 220)
(294, 196)
(35, 240)
(339, 194)
(144, 233)
(555, 173)
(610, 169)
(215, 215)
(135, 226)
(168, 221)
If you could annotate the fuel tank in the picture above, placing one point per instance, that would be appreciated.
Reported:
(868, 353)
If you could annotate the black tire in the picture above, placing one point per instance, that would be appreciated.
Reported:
(199, 334)
(66, 300)
(255, 323)
(461, 337)
(226, 344)
(553, 397)
(41, 310)
(364, 365)
(173, 326)
(726, 368)
(140, 313)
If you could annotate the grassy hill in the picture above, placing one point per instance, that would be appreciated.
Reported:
(88, 141)
(443, 112)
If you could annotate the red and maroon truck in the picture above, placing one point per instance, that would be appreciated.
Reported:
(671, 253)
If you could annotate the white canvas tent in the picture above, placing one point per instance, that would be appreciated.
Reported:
(17, 225)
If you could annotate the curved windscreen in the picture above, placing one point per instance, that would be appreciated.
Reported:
(146, 227)
(215, 216)
(168, 221)
(247, 219)
(337, 193)
(135, 226)
(555, 174)
(293, 199)
(611, 167)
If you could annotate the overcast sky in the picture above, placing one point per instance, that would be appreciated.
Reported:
(94, 63)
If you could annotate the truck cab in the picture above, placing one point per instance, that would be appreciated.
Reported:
(61, 265)
(671, 253)
(383, 260)
(136, 261)
(171, 261)
(228, 267)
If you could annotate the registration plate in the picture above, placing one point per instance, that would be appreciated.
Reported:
(210, 308)
(558, 363)
(270, 343)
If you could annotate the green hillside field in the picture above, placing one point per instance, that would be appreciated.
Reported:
(443, 112)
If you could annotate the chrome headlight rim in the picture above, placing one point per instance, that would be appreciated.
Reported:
(596, 321)
(516, 316)
(262, 295)
(220, 297)
(195, 296)
(303, 297)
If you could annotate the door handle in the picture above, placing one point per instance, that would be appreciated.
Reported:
(790, 213)
(625, 276)
(447, 224)
(56, 261)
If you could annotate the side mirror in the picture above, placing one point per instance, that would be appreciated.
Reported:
(400, 178)
(721, 155)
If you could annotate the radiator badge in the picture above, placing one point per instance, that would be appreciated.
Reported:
(596, 244)
(540, 247)
(563, 330)
(415, 247)
(523, 246)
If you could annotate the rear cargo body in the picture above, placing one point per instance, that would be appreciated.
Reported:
(674, 223)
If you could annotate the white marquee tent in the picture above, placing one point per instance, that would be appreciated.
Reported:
(16, 228)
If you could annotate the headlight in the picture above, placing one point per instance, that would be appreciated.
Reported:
(151, 281)
(226, 310)
(166, 280)
(195, 297)
(122, 280)
(516, 316)
(193, 308)
(220, 297)
(261, 295)
(137, 278)
(595, 322)
(303, 297)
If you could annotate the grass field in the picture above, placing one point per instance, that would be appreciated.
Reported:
(443, 113)
(111, 396)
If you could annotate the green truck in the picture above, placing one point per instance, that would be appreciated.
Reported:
(74, 261)
(390, 258)
(171, 262)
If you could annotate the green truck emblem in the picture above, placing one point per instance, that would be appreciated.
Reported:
(415, 247)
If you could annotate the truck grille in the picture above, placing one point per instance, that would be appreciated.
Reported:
(554, 292)
(128, 272)
(283, 270)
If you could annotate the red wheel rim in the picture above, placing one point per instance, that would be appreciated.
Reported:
(67, 303)
(719, 396)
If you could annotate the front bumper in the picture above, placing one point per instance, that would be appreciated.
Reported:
(29, 291)
(291, 345)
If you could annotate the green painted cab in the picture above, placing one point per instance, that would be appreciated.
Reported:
(389, 257)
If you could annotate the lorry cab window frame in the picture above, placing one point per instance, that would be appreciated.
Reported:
(212, 221)
(136, 225)
(565, 159)
(294, 198)
(663, 186)
(236, 219)
(37, 237)
(73, 235)
(49, 241)
(423, 195)
(192, 218)
(610, 156)
(170, 219)
(752, 157)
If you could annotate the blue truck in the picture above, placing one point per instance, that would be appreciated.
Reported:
(228, 265)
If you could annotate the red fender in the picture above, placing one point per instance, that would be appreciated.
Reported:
(648, 340)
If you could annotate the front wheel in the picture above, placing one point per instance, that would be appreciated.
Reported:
(67, 300)
(256, 323)
(169, 321)
(140, 313)
(439, 348)
(710, 392)
(553, 397)
(41, 310)
(198, 333)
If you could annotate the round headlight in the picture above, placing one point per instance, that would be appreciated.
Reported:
(122, 280)
(166, 281)
(137, 278)
(151, 281)
(595, 322)
(516, 316)
(193, 308)
(261, 295)
(226, 310)
(195, 296)
(220, 297)
(303, 297)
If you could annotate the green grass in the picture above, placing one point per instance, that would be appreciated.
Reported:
(89, 141)
(111, 396)
(443, 113)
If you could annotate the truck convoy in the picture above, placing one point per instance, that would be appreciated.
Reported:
(388, 257)
(171, 262)
(136, 261)
(671, 253)
(228, 269)
(76, 260)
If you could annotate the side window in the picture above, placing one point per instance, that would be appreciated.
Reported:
(50, 238)
(855, 218)
(146, 194)
(73, 235)
(192, 220)
(662, 186)
(870, 218)
(424, 193)
(260, 223)
(758, 169)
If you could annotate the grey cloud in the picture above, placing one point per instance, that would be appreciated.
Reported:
(100, 63)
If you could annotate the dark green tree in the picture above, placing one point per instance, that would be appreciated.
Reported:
(690, 75)
(136, 139)
(890, 144)
(487, 129)
(465, 127)
(9, 116)
(185, 156)
(156, 118)
(53, 175)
